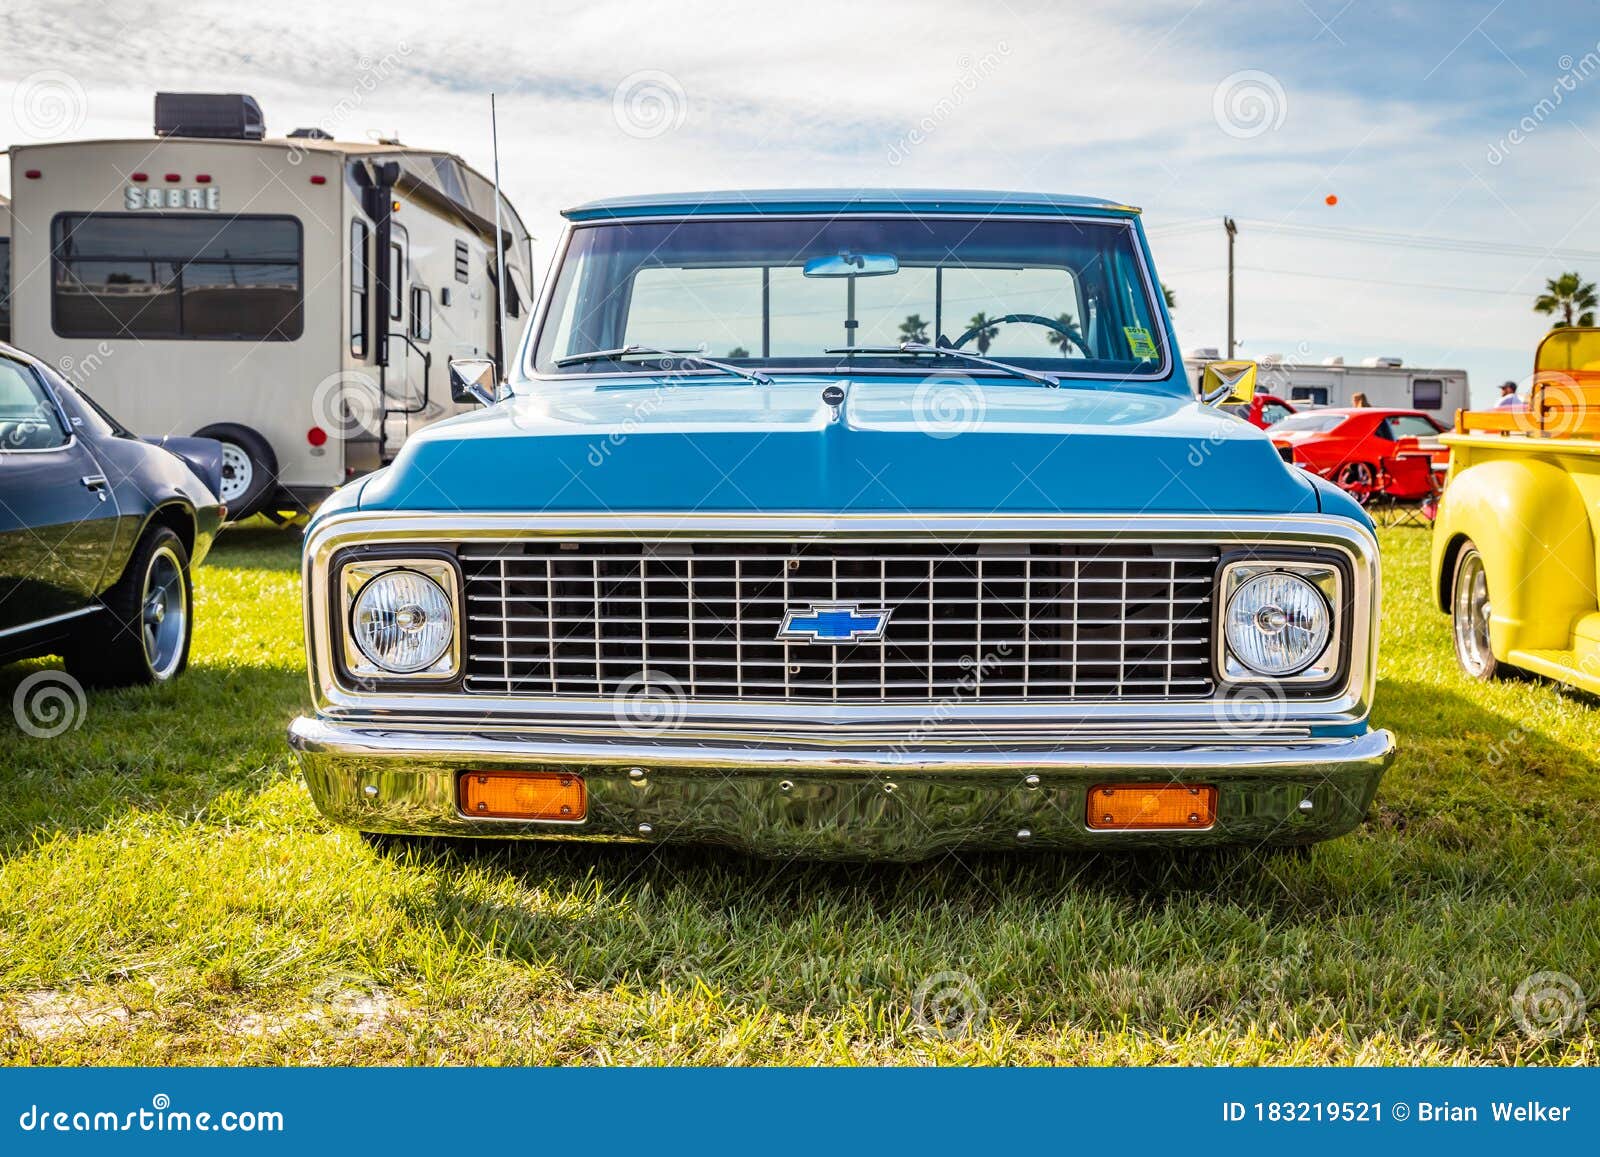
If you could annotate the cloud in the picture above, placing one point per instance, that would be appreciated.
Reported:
(1392, 110)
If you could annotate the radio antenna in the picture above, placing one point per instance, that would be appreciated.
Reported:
(499, 240)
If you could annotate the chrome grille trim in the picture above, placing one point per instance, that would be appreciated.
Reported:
(1115, 620)
(337, 696)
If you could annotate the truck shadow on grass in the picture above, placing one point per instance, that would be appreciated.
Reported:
(1465, 877)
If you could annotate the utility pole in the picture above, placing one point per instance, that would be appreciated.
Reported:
(1232, 231)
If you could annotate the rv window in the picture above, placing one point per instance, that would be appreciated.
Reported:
(397, 281)
(1311, 395)
(5, 289)
(174, 277)
(448, 178)
(358, 289)
(1427, 393)
(517, 291)
(421, 313)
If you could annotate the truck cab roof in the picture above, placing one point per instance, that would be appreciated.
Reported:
(784, 201)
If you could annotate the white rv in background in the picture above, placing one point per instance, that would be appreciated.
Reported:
(297, 298)
(1387, 382)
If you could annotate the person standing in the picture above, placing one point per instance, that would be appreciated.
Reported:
(1509, 399)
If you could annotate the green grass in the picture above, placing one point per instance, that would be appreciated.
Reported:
(169, 895)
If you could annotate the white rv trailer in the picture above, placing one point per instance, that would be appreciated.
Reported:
(297, 298)
(1386, 382)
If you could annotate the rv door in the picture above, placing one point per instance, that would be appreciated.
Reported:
(405, 396)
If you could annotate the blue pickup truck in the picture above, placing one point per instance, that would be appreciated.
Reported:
(858, 524)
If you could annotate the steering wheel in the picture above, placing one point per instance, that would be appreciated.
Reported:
(1031, 319)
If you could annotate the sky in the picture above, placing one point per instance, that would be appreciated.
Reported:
(1459, 143)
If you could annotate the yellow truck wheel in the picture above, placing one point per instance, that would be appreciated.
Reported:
(1469, 614)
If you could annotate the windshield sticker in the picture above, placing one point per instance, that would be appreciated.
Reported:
(1141, 343)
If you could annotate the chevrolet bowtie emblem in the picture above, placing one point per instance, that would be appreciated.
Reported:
(834, 623)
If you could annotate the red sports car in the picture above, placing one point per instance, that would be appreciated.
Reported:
(1264, 410)
(1350, 445)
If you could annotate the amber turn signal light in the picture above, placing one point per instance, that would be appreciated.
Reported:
(1148, 806)
(524, 795)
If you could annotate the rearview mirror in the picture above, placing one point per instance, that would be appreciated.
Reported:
(852, 265)
(474, 380)
(1228, 382)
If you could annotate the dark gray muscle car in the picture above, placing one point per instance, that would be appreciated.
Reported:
(98, 530)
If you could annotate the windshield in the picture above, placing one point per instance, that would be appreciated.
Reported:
(1315, 423)
(1066, 297)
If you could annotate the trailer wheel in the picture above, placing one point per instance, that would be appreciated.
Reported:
(249, 468)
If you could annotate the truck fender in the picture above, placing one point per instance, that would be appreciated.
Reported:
(1531, 526)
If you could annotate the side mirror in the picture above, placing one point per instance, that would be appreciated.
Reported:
(474, 380)
(1228, 382)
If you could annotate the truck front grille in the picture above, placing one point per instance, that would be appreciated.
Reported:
(993, 621)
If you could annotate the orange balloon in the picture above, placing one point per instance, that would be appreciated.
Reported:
(1331, 199)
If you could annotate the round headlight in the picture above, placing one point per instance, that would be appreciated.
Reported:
(402, 621)
(1277, 623)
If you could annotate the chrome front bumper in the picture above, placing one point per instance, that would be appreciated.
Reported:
(823, 802)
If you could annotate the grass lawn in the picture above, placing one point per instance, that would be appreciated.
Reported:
(169, 895)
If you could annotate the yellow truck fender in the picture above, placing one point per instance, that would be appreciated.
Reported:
(1530, 524)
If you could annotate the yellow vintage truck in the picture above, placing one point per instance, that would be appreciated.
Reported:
(1514, 550)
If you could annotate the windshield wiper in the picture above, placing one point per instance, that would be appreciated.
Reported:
(923, 349)
(695, 356)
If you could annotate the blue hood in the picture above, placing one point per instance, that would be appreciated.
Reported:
(897, 444)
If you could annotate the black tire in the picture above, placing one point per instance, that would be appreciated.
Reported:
(249, 468)
(1469, 616)
(136, 643)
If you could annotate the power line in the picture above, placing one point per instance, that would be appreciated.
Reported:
(1364, 236)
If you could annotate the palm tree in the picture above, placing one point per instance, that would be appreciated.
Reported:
(1571, 298)
(914, 329)
(987, 331)
(1060, 340)
(1168, 296)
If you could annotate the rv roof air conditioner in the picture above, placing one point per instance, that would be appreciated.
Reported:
(1382, 363)
(229, 116)
(311, 134)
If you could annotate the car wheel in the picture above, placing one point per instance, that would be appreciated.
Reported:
(249, 468)
(1359, 480)
(1469, 615)
(145, 633)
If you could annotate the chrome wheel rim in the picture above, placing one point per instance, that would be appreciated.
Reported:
(164, 612)
(1470, 614)
(237, 472)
